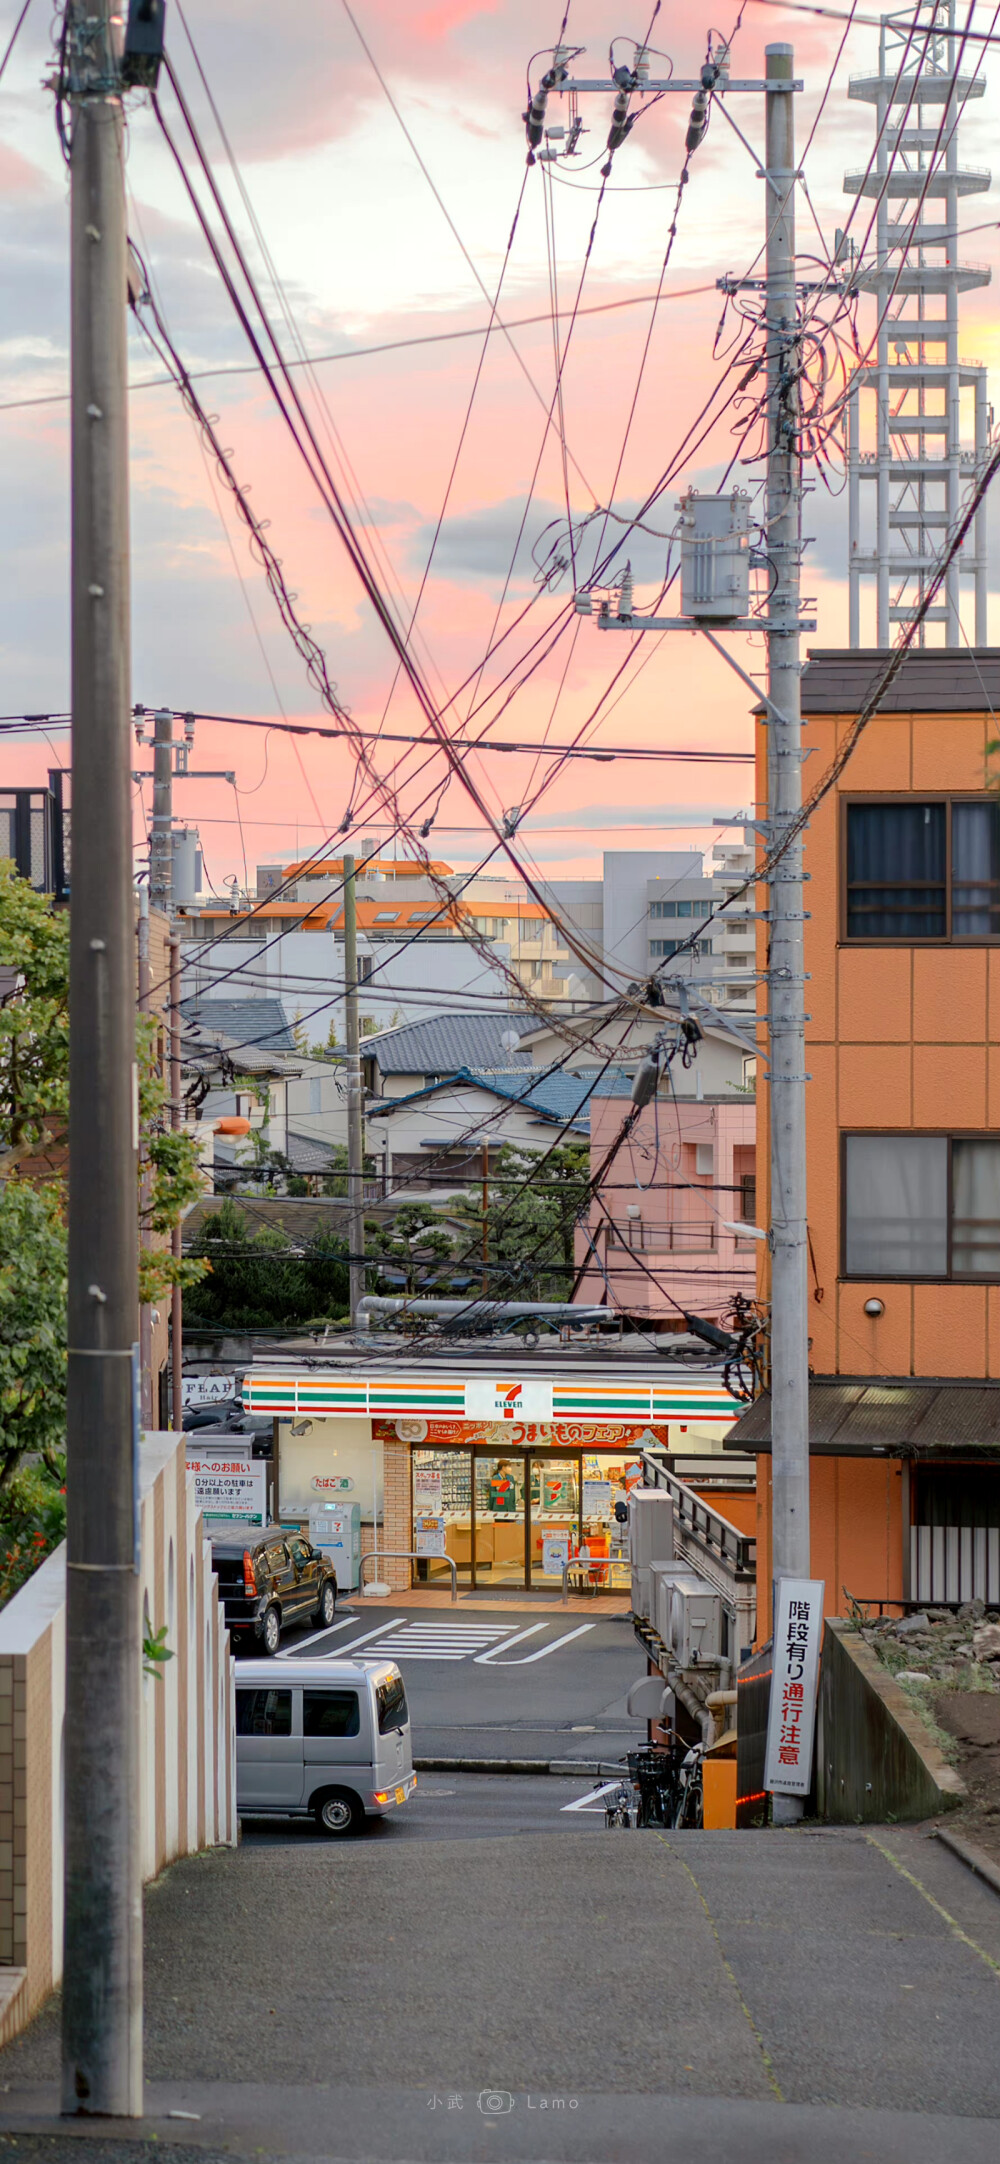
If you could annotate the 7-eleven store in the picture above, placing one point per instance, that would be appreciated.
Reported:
(505, 1474)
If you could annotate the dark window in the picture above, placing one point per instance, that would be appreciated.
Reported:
(276, 1558)
(667, 947)
(748, 1198)
(330, 1713)
(263, 1713)
(299, 1551)
(923, 871)
(390, 1698)
(921, 1206)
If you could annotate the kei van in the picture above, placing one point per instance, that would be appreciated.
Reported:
(327, 1739)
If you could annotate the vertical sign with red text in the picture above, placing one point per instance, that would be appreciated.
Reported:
(791, 1724)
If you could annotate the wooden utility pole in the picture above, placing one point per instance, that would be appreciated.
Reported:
(355, 1102)
(102, 1982)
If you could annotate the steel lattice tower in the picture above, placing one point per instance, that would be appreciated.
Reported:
(928, 442)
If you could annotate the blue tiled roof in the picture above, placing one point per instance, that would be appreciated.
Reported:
(555, 1098)
(259, 1022)
(449, 1041)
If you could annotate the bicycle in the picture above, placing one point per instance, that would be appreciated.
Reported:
(618, 1806)
(689, 1805)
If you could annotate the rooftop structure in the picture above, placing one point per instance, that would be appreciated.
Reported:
(926, 440)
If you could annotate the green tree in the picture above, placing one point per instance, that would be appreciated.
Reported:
(415, 1243)
(532, 1212)
(256, 1281)
(34, 1102)
(32, 1328)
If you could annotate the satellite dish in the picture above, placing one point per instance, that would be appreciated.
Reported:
(510, 1040)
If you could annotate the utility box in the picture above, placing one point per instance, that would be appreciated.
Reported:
(715, 555)
(335, 1529)
(641, 1600)
(664, 1578)
(650, 1526)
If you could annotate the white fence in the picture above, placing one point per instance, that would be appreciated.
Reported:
(955, 1563)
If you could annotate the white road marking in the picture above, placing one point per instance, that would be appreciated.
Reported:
(592, 1800)
(291, 1653)
(339, 1652)
(541, 1653)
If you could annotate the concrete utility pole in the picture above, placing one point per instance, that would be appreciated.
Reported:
(176, 1298)
(786, 980)
(102, 1984)
(355, 1102)
(145, 1312)
(161, 842)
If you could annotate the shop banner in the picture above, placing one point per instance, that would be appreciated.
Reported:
(427, 1489)
(798, 1630)
(530, 1434)
(555, 1554)
(429, 1536)
(227, 1486)
(596, 1498)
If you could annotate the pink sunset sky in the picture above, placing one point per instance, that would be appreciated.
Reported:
(368, 258)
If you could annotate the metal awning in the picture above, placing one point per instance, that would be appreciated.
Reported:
(861, 1418)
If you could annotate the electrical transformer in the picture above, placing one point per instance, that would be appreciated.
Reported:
(715, 555)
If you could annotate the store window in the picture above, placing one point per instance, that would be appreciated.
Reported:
(921, 870)
(921, 1206)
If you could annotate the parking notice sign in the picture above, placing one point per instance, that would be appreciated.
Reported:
(227, 1485)
(798, 1629)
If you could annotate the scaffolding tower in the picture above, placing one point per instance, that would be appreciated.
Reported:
(923, 443)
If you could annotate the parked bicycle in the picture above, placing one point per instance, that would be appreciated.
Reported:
(689, 1806)
(662, 1787)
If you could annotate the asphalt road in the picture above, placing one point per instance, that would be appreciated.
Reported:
(460, 1807)
(500, 1683)
(573, 1997)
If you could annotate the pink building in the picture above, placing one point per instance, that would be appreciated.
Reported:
(659, 1227)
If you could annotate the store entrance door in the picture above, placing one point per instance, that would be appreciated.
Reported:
(500, 1519)
(554, 1490)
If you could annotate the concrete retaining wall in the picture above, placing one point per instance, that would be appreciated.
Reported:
(875, 1758)
(188, 1757)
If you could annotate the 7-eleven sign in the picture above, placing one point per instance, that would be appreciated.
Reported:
(506, 1400)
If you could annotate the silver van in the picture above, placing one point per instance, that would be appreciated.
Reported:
(326, 1738)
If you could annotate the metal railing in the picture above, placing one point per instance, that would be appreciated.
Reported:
(584, 1565)
(406, 1555)
(703, 1524)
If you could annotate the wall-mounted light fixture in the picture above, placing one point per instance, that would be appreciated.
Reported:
(874, 1308)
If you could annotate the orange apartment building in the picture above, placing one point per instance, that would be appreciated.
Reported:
(902, 950)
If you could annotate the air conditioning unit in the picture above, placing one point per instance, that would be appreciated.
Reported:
(686, 1613)
(715, 555)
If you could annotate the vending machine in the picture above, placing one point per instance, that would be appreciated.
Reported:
(335, 1529)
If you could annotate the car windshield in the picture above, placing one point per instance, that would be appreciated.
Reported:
(390, 1699)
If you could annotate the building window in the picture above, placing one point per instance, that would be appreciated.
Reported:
(678, 909)
(921, 1206)
(923, 870)
(666, 947)
(386, 916)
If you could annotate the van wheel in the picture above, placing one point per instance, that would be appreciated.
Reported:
(271, 1630)
(339, 1812)
(327, 1606)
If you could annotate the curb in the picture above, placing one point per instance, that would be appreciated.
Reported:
(974, 1857)
(512, 1765)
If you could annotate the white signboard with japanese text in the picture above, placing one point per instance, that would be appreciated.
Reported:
(229, 1484)
(798, 1632)
(596, 1498)
(427, 1481)
(429, 1536)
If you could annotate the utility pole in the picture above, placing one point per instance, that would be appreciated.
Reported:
(176, 1299)
(145, 1313)
(102, 1982)
(786, 978)
(161, 869)
(486, 1218)
(355, 1117)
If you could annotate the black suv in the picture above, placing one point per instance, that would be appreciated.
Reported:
(267, 1579)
